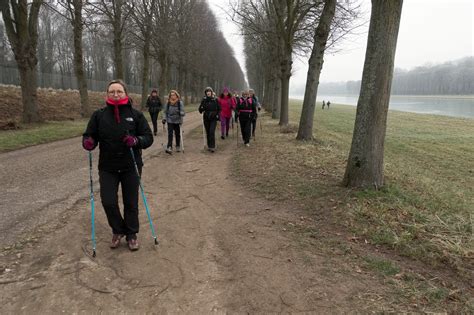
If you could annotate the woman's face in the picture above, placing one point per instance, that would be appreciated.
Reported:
(226, 93)
(173, 96)
(154, 94)
(209, 93)
(116, 91)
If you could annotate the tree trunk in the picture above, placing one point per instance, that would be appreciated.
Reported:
(78, 58)
(285, 87)
(23, 37)
(365, 163)
(305, 130)
(146, 70)
(276, 106)
(28, 79)
(164, 75)
(268, 94)
(118, 43)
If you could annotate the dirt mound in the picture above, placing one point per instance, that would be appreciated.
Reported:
(54, 105)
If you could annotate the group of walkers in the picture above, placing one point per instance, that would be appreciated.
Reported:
(228, 108)
(122, 132)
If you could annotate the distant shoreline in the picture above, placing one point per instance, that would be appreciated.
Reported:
(471, 96)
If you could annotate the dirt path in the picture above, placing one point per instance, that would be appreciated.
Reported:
(222, 248)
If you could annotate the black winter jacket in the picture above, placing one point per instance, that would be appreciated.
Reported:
(114, 154)
(210, 107)
(154, 104)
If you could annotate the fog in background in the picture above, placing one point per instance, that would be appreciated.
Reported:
(431, 32)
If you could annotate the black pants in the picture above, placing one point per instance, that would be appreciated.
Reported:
(245, 123)
(154, 118)
(177, 132)
(109, 182)
(210, 126)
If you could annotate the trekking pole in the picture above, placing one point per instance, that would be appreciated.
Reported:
(203, 135)
(182, 137)
(164, 135)
(237, 133)
(92, 205)
(143, 197)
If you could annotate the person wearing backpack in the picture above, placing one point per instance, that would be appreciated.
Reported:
(253, 121)
(173, 115)
(115, 129)
(246, 109)
(153, 103)
(210, 110)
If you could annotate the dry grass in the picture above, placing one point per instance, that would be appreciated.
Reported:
(425, 211)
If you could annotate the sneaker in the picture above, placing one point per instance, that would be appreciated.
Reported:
(227, 135)
(247, 144)
(168, 150)
(178, 149)
(212, 150)
(116, 240)
(133, 244)
(222, 137)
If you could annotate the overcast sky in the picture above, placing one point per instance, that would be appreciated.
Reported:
(431, 31)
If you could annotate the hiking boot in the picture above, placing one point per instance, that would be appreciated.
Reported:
(212, 150)
(154, 133)
(222, 137)
(116, 240)
(168, 150)
(227, 135)
(178, 149)
(133, 244)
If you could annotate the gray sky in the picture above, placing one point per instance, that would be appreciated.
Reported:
(431, 31)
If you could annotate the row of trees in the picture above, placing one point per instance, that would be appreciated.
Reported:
(165, 43)
(181, 37)
(277, 30)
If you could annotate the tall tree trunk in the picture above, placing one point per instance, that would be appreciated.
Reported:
(164, 75)
(28, 79)
(285, 86)
(365, 163)
(22, 32)
(118, 41)
(146, 70)
(268, 93)
(78, 57)
(305, 130)
(276, 106)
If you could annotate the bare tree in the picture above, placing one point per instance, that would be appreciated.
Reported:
(142, 16)
(74, 9)
(115, 13)
(22, 32)
(365, 162)
(305, 130)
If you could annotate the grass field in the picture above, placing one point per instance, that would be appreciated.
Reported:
(426, 209)
(33, 134)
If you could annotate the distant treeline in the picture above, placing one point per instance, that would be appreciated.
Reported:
(450, 78)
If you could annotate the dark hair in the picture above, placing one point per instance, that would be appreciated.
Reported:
(119, 82)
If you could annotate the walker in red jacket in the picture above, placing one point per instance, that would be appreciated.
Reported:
(228, 105)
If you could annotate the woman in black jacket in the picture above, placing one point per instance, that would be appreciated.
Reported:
(116, 128)
(154, 107)
(210, 111)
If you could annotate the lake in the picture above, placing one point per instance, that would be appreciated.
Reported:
(437, 105)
